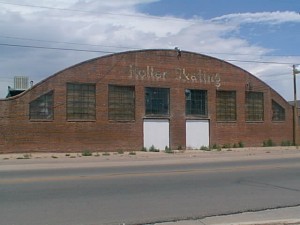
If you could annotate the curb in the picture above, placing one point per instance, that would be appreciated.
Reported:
(281, 216)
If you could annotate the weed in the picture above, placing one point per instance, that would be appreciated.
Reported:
(241, 144)
(132, 153)
(144, 149)
(54, 157)
(179, 147)
(286, 143)
(86, 153)
(268, 143)
(67, 155)
(153, 149)
(216, 147)
(204, 148)
(27, 156)
(227, 145)
(168, 150)
(106, 154)
(120, 152)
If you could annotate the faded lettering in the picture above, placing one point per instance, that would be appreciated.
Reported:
(148, 73)
(181, 75)
(198, 77)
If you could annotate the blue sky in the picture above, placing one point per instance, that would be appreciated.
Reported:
(242, 32)
(209, 9)
(278, 38)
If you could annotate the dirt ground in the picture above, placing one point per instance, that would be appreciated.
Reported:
(150, 157)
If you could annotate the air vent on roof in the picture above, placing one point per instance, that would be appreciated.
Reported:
(20, 83)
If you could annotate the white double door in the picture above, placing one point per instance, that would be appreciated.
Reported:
(157, 133)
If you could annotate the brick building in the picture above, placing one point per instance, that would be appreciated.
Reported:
(137, 99)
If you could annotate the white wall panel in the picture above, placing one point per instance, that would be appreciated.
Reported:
(156, 133)
(197, 133)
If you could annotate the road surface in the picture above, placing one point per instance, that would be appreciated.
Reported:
(141, 194)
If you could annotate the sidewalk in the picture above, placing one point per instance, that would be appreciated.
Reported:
(283, 216)
(144, 157)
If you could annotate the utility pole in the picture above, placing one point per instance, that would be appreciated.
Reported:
(295, 121)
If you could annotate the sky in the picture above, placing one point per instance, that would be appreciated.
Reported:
(40, 38)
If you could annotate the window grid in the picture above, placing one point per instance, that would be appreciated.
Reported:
(81, 101)
(278, 112)
(226, 105)
(121, 103)
(157, 101)
(196, 102)
(42, 107)
(254, 106)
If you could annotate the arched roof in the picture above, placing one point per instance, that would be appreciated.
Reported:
(165, 53)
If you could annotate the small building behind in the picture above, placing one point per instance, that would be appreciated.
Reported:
(20, 85)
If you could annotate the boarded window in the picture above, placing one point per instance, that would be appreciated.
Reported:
(42, 107)
(196, 102)
(81, 101)
(157, 101)
(254, 106)
(121, 105)
(226, 105)
(278, 112)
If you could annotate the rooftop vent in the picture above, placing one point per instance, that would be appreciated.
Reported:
(20, 83)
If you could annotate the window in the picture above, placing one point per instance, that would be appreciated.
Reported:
(42, 107)
(157, 101)
(226, 105)
(121, 103)
(278, 112)
(254, 106)
(196, 102)
(81, 101)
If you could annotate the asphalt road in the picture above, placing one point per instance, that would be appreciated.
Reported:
(146, 193)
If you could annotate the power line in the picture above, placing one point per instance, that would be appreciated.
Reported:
(54, 48)
(111, 52)
(64, 42)
(263, 62)
(243, 54)
(278, 77)
(273, 75)
(130, 48)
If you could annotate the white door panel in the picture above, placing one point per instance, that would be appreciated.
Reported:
(156, 133)
(197, 133)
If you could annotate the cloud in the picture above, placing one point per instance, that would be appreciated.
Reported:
(260, 17)
(115, 26)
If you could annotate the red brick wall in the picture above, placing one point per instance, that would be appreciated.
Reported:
(19, 134)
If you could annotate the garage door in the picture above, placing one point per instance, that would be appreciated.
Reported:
(156, 133)
(197, 133)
